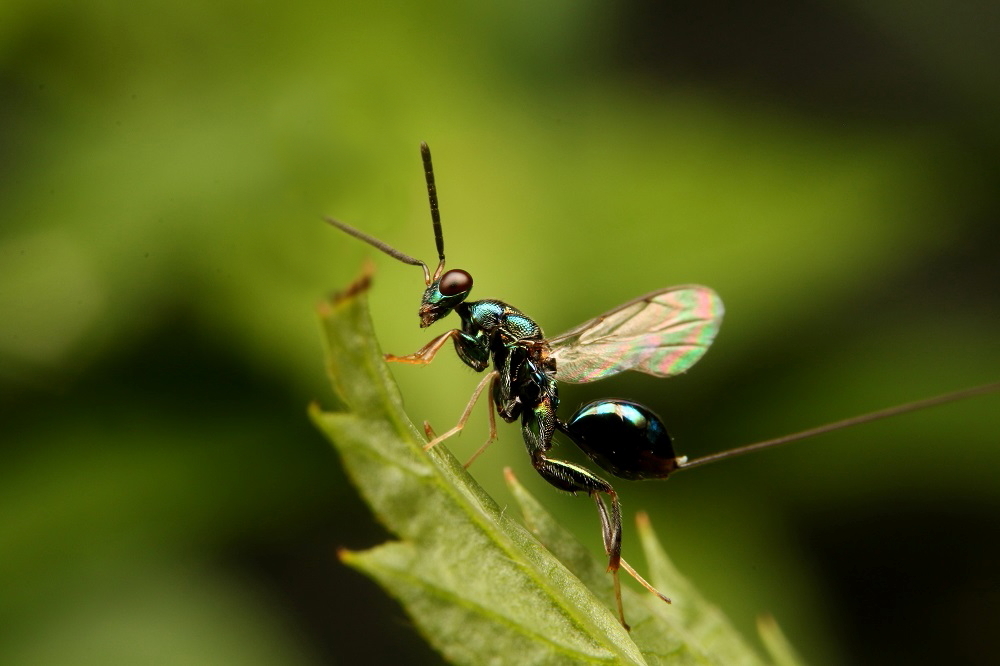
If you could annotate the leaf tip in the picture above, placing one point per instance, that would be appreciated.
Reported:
(508, 476)
(775, 641)
(360, 285)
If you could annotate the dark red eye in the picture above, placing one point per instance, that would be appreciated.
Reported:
(454, 282)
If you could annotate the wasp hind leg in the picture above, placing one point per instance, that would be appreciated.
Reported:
(573, 478)
(537, 427)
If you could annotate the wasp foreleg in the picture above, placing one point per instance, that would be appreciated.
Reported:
(426, 353)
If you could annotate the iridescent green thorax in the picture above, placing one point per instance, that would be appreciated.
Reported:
(498, 318)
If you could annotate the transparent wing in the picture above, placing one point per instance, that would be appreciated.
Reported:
(662, 334)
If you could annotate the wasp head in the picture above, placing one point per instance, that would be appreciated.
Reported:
(443, 295)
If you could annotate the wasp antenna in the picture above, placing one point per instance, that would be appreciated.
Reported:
(425, 153)
(376, 243)
(845, 423)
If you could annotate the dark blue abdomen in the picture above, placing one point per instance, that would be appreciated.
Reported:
(623, 437)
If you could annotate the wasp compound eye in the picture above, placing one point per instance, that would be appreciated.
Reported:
(455, 281)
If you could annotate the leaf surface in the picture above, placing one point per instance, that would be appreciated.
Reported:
(479, 586)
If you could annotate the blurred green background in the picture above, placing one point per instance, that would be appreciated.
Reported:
(830, 169)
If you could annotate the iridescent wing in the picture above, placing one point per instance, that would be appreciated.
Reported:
(662, 334)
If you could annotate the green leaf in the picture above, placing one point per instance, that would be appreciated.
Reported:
(479, 586)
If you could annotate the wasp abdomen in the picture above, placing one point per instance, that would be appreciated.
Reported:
(623, 437)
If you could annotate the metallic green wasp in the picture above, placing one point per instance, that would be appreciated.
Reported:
(662, 334)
